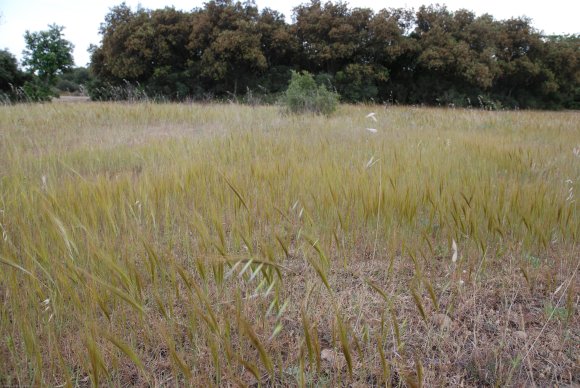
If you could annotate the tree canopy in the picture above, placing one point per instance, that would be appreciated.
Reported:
(47, 53)
(429, 56)
(46, 56)
(10, 75)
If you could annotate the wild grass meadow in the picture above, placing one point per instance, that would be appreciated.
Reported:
(227, 245)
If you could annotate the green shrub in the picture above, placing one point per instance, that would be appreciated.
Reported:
(38, 91)
(304, 95)
(65, 85)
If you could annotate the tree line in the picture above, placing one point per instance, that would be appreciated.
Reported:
(434, 56)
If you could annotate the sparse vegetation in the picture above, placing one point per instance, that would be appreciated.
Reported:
(164, 244)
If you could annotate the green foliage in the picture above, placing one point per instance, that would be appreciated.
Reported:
(37, 91)
(11, 78)
(561, 313)
(73, 81)
(434, 56)
(10, 75)
(46, 56)
(305, 95)
(360, 82)
(47, 53)
(65, 85)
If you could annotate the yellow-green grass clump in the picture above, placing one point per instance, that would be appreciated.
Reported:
(221, 244)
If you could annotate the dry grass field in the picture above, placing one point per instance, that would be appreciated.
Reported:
(225, 245)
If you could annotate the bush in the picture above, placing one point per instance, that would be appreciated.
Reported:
(304, 95)
(73, 81)
(65, 85)
(38, 91)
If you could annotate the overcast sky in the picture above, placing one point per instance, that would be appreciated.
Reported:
(81, 18)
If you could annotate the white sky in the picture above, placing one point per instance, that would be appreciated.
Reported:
(81, 18)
